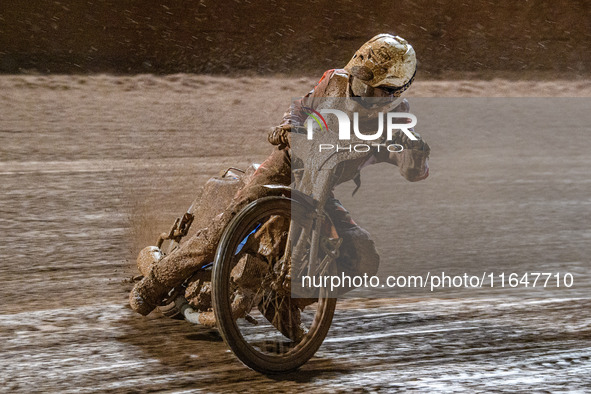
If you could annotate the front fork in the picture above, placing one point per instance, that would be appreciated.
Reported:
(309, 237)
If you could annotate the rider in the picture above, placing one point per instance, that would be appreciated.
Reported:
(383, 67)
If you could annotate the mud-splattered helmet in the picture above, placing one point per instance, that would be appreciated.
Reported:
(385, 61)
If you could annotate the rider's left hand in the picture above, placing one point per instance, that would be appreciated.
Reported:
(401, 138)
(280, 135)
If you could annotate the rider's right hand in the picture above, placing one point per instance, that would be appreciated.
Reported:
(280, 135)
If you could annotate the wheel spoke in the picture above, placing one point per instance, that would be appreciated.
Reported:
(287, 332)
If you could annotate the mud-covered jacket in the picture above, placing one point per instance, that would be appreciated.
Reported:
(412, 161)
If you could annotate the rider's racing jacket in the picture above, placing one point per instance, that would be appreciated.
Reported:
(412, 161)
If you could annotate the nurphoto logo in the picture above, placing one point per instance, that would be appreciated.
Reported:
(394, 121)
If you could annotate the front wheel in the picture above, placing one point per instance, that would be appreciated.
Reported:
(267, 329)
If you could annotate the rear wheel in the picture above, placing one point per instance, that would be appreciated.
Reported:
(265, 327)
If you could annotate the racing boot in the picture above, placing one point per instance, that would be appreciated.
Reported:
(147, 294)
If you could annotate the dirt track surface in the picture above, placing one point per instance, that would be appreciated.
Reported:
(92, 168)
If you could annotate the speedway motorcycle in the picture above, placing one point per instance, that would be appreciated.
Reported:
(251, 293)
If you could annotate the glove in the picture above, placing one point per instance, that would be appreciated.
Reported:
(280, 135)
(402, 139)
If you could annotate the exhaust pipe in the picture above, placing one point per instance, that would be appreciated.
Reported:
(206, 319)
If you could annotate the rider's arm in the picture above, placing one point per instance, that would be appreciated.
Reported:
(296, 114)
(413, 161)
(298, 111)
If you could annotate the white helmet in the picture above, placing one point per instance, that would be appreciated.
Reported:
(385, 61)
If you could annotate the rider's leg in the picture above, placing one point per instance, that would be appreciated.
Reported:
(200, 249)
(357, 254)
